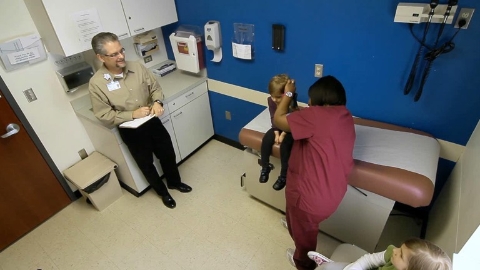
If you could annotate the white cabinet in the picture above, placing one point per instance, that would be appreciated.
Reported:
(167, 123)
(144, 15)
(192, 119)
(55, 20)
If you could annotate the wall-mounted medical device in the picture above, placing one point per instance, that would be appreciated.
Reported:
(419, 13)
(74, 76)
(187, 48)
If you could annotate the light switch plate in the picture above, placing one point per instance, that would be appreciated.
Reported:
(30, 95)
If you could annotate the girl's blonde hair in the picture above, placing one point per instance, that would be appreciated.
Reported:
(277, 83)
(426, 256)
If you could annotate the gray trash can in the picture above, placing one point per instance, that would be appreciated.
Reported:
(95, 177)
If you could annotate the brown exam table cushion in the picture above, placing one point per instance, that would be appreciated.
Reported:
(397, 184)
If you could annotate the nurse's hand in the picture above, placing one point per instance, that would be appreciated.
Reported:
(290, 86)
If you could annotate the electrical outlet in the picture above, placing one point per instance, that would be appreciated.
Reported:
(83, 154)
(465, 14)
(228, 116)
(318, 70)
(147, 59)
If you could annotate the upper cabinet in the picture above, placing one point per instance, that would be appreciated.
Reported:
(58, 21)
(144, 15)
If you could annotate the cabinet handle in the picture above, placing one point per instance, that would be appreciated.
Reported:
(190, 94)
(166, 121)
(139, 29)
(122, 35)
(363, 193)
(178, 114)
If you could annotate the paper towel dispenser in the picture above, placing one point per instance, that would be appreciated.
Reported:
(74, 76)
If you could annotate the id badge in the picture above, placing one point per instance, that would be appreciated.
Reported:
(113, 85)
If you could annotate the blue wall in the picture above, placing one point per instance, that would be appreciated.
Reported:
(358, 42)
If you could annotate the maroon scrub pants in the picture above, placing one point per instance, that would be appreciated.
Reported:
(303, 228)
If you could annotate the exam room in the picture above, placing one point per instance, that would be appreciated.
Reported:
(357, 42)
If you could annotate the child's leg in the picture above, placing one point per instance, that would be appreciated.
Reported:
(285, 149)
(266, 150)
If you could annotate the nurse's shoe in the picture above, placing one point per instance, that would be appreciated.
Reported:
(280, 183)
(283, 220)
(318, 258)
(290, 252)
(264, 173)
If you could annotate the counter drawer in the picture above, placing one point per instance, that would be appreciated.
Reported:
(187, 97)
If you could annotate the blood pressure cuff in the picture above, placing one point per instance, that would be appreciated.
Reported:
(97, 184)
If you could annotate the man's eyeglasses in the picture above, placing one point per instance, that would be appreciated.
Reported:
(113, 55)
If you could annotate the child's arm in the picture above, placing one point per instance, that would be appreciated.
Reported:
(280, 117)
(368, 261)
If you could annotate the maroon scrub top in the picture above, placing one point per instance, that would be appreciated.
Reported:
(321, 158)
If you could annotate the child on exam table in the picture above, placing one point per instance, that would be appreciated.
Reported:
(274, 135)
(413, 254)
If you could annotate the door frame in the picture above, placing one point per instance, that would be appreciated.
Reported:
(31, 132)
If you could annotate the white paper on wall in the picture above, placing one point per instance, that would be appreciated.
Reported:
(87, 24)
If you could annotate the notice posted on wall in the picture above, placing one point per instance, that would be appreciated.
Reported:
(87, 24)
(23, 51)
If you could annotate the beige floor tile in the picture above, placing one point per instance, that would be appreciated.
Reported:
(146, 256)
(26, 254)
(270, 256)
(169, 234)
(119, 244)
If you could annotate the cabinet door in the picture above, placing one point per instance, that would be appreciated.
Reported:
(167, 123)
(193, 124)
(144, 15)
(60, 12)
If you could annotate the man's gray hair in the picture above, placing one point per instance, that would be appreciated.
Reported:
(100, 39)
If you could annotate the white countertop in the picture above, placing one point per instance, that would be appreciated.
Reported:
(173, 85)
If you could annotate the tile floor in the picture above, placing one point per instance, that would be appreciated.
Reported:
(217, 226)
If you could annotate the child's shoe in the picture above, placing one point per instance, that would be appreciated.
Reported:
(318, 258)
(264, 173)
(280, 183)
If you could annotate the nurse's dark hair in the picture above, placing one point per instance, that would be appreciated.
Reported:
(327, 91)
(100, 39)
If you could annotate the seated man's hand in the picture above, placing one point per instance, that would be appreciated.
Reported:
(157, 109)
(141, 112)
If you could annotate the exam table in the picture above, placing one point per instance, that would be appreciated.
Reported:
(392, 163)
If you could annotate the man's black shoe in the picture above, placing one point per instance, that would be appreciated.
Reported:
(184, 188)
(169, 201)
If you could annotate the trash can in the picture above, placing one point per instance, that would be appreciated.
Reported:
(95, 177)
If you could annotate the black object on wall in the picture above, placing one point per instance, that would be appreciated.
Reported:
(278, 37)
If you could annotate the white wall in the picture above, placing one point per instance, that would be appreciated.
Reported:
(455, 215)
(51, 115)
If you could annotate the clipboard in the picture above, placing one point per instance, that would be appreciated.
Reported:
(135, 123)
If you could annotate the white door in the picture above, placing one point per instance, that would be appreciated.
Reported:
(192, 124)
(144, 15)
(61, 14)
